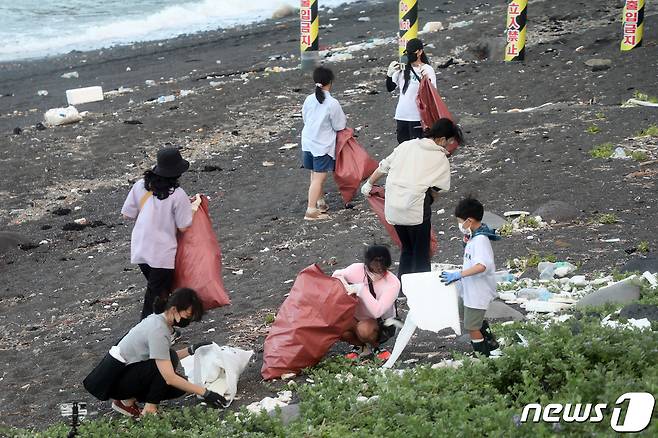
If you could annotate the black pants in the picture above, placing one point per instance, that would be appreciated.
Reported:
(408, 130)
(159, 282)
(415, 254)
(143, 381)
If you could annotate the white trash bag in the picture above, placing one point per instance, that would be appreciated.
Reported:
(432, 305)
(217, 368)
(62, 116)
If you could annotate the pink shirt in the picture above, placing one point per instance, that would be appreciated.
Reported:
(386, 289)
(153, 239)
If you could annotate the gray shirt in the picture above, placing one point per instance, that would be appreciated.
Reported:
(150, 339)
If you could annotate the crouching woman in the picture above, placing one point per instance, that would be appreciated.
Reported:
(377, 289)
(141, 368)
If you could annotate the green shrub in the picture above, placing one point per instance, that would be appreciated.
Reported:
(639, 156)
(604, 150)
(651, 131)
(593, 129)
(644, 96)
(607, 219)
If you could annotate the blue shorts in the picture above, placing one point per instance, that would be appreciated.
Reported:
(318, 164)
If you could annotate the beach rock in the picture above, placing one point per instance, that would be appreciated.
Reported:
(9, 241)
(499, 310)
(62, 211)
(639, 311)
(284, 11)
(558, 211)
(621, 292)
(489, 48)
(643, 264)
(17, 131)
(597, 64)
(493, 220)
(40, 127)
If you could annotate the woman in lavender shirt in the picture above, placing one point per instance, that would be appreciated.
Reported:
(161, 209)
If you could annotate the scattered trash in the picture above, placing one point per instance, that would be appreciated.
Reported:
(615, 240)
(184, 93)
(149, 83)
(651, 278)
(119, 91)
(78, 96)
(514, 213)
(40, 127)
(166, 99)
(632, 324)
(459, 24)
(624, 291)
(62, 116)
(548, 270)
(132, 122)
(527, 110)
(269, 404)
(364, 19)
(71, 75)
(620, 153)
(431, 27)
(637, 102)
(268, 164)
(42, 93)
(288, 146)
(448, 363)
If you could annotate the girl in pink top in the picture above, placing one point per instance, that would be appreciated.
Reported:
(377, 290)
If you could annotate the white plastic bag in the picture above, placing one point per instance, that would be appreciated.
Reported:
(432, 305)
(217, 368)
(62, 116)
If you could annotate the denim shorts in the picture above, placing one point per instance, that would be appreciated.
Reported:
(318, 164)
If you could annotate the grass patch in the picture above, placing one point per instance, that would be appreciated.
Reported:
(600, 116)
(269, 318)
(645, 97)
(607, 219)
(643, 246)
(604, 150)
(651, 131)
(506, 230)
(577, 361)
(593, 129)
(639, 156)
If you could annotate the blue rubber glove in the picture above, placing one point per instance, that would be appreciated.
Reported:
(450, 277)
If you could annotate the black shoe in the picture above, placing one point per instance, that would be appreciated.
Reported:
(481, 348)
(489, 337)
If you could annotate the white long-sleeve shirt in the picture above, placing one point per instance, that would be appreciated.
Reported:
(407, 109)
(321, 123)
(412, 168)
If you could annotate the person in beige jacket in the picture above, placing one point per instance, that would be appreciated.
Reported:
(417, 170)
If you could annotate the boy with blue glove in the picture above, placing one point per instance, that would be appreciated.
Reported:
(478, 281)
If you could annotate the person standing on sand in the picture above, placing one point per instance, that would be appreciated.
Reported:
(160, 208)
(142, 368)
(407, 79)
(417, 170)
(323, 118)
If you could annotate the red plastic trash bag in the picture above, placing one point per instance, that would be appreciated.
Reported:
(199, 260)
(312, 319)
(353, 164)
(432, 108)
(377, 202)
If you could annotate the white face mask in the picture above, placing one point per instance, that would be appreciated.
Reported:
(465, 231)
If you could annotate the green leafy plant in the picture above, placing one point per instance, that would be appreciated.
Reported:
(604, 150)
(651, 131)
(644, 96)
(607, 219)
(593, 129)
(600, 116)
(269, 318)
(639, 156)
(643, 246)
(535, 259)
(506, 230)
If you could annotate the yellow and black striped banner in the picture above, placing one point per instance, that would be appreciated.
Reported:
(633, 19)
(408, 22)
(309, 26)
(517, 18)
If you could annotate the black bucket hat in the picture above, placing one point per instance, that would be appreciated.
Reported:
(414, 45)
(170, 163)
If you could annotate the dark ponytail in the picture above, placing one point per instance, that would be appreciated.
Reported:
(445, 128)
(182, 299)
(407, 71)
(322, 76)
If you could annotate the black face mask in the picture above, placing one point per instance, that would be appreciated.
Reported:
(184, 322)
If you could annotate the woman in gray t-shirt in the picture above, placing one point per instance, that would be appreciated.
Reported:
(142, 368)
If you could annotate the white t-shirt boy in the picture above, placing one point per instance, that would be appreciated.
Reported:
(479, 290)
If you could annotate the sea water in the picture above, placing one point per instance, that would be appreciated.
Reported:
(37, 28)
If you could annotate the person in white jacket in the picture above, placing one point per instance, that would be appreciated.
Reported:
(417, 170)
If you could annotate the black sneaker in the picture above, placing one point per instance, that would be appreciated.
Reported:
(481, 348)
(489, 337)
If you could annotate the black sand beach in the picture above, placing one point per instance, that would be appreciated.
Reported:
(67, 295)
